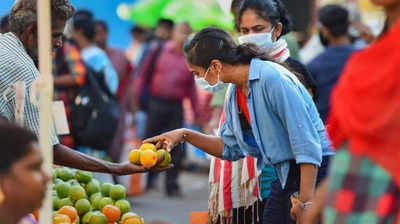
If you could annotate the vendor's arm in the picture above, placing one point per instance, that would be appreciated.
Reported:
(65, 156)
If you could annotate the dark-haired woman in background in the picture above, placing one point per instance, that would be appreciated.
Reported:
(263, 23)
(282, 122)
(20, 165)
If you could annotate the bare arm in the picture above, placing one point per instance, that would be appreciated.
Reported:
(308, 176)
(65, 156)
(209, 144)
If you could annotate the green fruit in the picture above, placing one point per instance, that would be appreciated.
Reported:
(96, 203)
(167, 157)
(94, 196)
(63, 189)
(83, 185)
(105, 201)
(98, 218)
(54, 175)
(105, 189)
(65, 174)
(57, 181)
(73, 182)
(86, 218)
(65, 202)
(83, 206)
(56, 203)
(123, 205)
(93, 187)
(118, 192)
(83, 176)
(77, 192)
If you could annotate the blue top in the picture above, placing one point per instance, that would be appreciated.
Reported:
(325, 70)
(97, 59)
(284, 121)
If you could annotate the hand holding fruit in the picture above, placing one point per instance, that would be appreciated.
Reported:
(169, 139)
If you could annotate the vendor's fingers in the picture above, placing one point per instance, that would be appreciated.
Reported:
(161, 158)
(153, 139)
(159, 169)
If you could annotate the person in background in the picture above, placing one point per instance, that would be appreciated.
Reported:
(363, 185)
(164, 29)
(327, 67)
(69, 74)
(135, 50)
(4, 25)
(83, 33)
(264, 23)
(117, 57)
(170, 84)
(20, 166)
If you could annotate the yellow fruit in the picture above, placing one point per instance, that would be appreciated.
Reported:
(61, 219)
(134, 220)
(134, 156)
(148, 158)
(127, 216)
(167, 157)
(147, 146)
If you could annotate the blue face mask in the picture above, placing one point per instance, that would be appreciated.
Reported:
(262, 40)
(203, 83)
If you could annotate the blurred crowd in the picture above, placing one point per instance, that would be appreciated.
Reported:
(148, 89)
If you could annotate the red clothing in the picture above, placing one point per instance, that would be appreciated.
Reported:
(366, 104)
(242, 103)
(171, 79)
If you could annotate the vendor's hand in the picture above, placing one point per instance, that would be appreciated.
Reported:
(129, 168)
(168, 140)
(296, 213)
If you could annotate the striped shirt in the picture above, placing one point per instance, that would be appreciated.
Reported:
(17, 65)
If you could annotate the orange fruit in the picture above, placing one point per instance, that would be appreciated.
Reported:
(69, 211)
(134, 220)
(36, 215)
(61, 219)
(134, 156)
(148, 158)
(148, 146)
(113, 213)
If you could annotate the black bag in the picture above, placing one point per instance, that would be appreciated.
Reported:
(145, 94)
(95, 113)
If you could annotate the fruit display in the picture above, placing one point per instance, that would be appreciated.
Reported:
(149, 155)
(78, 198)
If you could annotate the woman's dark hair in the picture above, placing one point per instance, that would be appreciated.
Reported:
(15, 142)
(273, 11)
(213, 43)
(83, 20)
(103, 25)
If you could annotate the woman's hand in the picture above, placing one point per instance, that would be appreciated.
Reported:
(168, 140)
(296, 213)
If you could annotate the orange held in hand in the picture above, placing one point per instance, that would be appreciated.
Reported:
(148, 146)
(69, 211)
(112, 213)
(148, 158)
(134, 156)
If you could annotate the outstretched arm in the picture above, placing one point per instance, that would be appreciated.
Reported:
(65, 156)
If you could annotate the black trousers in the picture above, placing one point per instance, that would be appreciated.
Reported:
(164, 115)
(278, 204)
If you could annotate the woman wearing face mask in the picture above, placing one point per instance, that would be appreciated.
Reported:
(281, 126)
(20, 165)
(263, 23)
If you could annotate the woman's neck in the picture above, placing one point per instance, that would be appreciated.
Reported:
(239, 75)
(393, 14)
(9, 215)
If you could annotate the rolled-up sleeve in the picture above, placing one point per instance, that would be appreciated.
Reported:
(291, 107)
(231, 151)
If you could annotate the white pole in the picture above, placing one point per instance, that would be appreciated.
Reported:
(46, 95)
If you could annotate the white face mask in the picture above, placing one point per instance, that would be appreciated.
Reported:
(203, 83)
(261, 40)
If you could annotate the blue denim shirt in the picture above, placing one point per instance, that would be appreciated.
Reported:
(284, 121)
